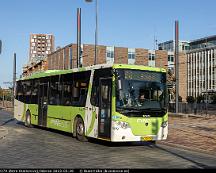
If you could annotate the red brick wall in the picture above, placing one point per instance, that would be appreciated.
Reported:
(121, 55)
(141, 57)
(66, 58)
(161, 59)
(101, 54)
(88, 55)
(74, 56)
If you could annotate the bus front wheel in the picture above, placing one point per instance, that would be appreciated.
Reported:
(80, 130)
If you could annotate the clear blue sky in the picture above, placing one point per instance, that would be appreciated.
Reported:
(129, 23)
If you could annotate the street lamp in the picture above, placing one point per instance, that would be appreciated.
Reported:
(96, 27)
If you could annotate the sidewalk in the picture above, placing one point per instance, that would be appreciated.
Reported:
(195, 132)
(4, 117)
(3, 132)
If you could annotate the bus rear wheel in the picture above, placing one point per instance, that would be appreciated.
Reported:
(80, 130)
(28, 119)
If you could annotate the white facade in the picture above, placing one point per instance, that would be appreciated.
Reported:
(170, 46)
(201, 64)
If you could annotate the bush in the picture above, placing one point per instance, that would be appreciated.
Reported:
(200, 98)
(179, 98)
(190, 99)
(213, 99)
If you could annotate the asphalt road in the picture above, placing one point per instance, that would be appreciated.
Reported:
(23, 147)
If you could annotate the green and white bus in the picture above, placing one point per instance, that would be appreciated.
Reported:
(115, 102)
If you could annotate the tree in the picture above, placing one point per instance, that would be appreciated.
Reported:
(180, 98)
(1, 93)
(190, 99)
(213, 97)
(200, 98)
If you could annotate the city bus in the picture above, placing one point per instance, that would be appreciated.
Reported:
(111, 102)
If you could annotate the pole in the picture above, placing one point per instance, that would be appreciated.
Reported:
(3, 98)
(14, 78)
(78, 37)
(0, 46)
(96, 30)
(177, 62)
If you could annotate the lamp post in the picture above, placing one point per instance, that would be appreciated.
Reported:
(177, 63)
(96, 28)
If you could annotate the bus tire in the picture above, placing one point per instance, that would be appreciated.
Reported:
(28, 119)
(153, 142)
(80, 130)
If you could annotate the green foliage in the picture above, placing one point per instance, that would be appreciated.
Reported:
(7, 94)
(200, 98)
(213, 99)
(179, 98)
(190, 99)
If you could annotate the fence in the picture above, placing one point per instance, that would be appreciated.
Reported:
(193, 108)
(6, 104)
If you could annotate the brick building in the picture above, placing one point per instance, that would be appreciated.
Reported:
(66, 58)
(40, 46)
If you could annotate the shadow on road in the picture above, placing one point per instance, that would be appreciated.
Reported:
(95, 141)
(8, 121)
(198, 164)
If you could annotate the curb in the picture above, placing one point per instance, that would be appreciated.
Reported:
(186, 148)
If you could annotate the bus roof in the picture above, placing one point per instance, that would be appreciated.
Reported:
(93, 67)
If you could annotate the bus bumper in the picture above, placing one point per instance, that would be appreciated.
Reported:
(119, 134)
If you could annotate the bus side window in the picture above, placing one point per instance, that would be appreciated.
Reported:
(54, 94)
(34, 94)
(19, 92)
(54, 91)
(67, 93)
(94, 94)
(28, 90)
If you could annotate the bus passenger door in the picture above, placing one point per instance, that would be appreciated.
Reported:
(104, 118)
(43, 101)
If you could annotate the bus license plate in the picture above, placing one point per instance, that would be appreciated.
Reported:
(146, 138)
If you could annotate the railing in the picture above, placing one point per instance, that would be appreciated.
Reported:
(193, 108)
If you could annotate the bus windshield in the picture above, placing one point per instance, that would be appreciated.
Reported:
(139, 92)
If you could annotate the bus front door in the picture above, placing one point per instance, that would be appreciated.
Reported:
(104, 118)
(43, 101)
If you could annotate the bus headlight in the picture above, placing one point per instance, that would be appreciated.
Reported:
(164, 124)
(123, 125)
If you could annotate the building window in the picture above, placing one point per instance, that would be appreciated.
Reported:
(170, 58)
(151, 57)
(110, 54)
(131, 53)
(131, 56)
